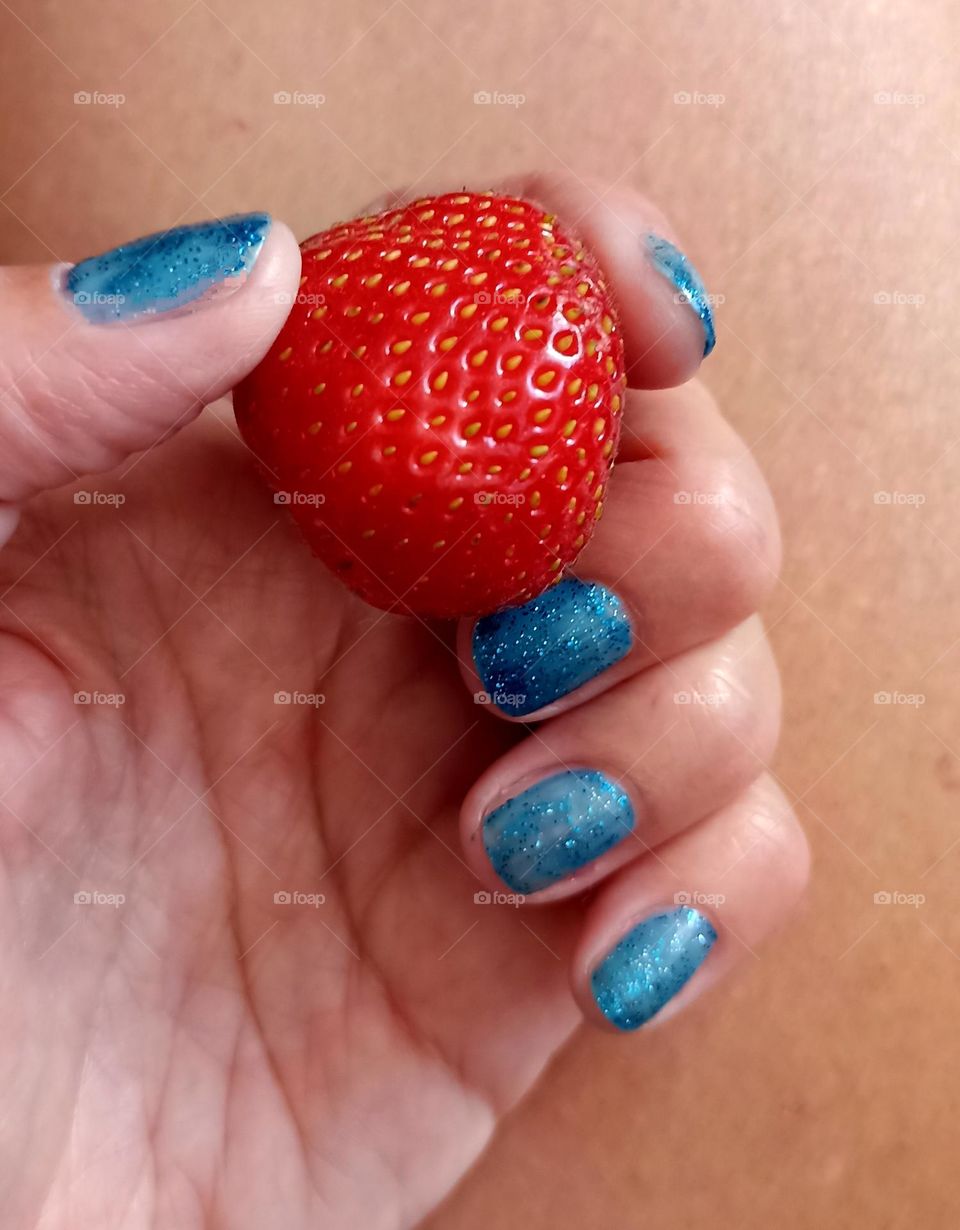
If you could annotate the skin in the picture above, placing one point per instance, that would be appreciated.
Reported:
(201, 1055)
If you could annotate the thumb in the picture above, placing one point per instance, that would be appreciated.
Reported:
(107, 357)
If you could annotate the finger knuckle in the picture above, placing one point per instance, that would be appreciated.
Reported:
(746, 710)
(774, 827)
(738, 534)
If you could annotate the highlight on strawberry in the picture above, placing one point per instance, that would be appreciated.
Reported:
(441, 409)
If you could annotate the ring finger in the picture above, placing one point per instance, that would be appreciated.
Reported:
(608, 781)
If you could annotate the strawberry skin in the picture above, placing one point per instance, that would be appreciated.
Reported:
(442, 405)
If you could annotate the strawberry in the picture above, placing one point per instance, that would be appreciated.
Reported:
(442, 405)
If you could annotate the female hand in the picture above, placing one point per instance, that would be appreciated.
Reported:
(254, 975)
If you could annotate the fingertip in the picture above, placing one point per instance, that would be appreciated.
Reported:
(707, 899)
(277, 271)
(240, 328)
(483, 686)
(108, 356)
(665, 310)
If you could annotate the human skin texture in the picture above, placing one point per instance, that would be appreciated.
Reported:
(806, 152)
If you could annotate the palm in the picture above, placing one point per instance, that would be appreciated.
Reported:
(222, 1056)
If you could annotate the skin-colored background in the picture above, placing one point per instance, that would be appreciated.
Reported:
(815, 168)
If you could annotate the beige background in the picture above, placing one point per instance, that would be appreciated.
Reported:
(822, 1087)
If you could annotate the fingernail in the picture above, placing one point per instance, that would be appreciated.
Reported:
(556, 827)
(167, 271)
(530, 655)
(671, 262)
(650, 965)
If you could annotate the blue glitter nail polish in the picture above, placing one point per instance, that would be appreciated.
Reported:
(166, 271)
(556, 827)
(671, 262)
(530, 655)
(650, 965)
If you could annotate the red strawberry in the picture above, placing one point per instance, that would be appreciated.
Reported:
(442, 405)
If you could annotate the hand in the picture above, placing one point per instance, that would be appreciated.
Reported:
(254, 977)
